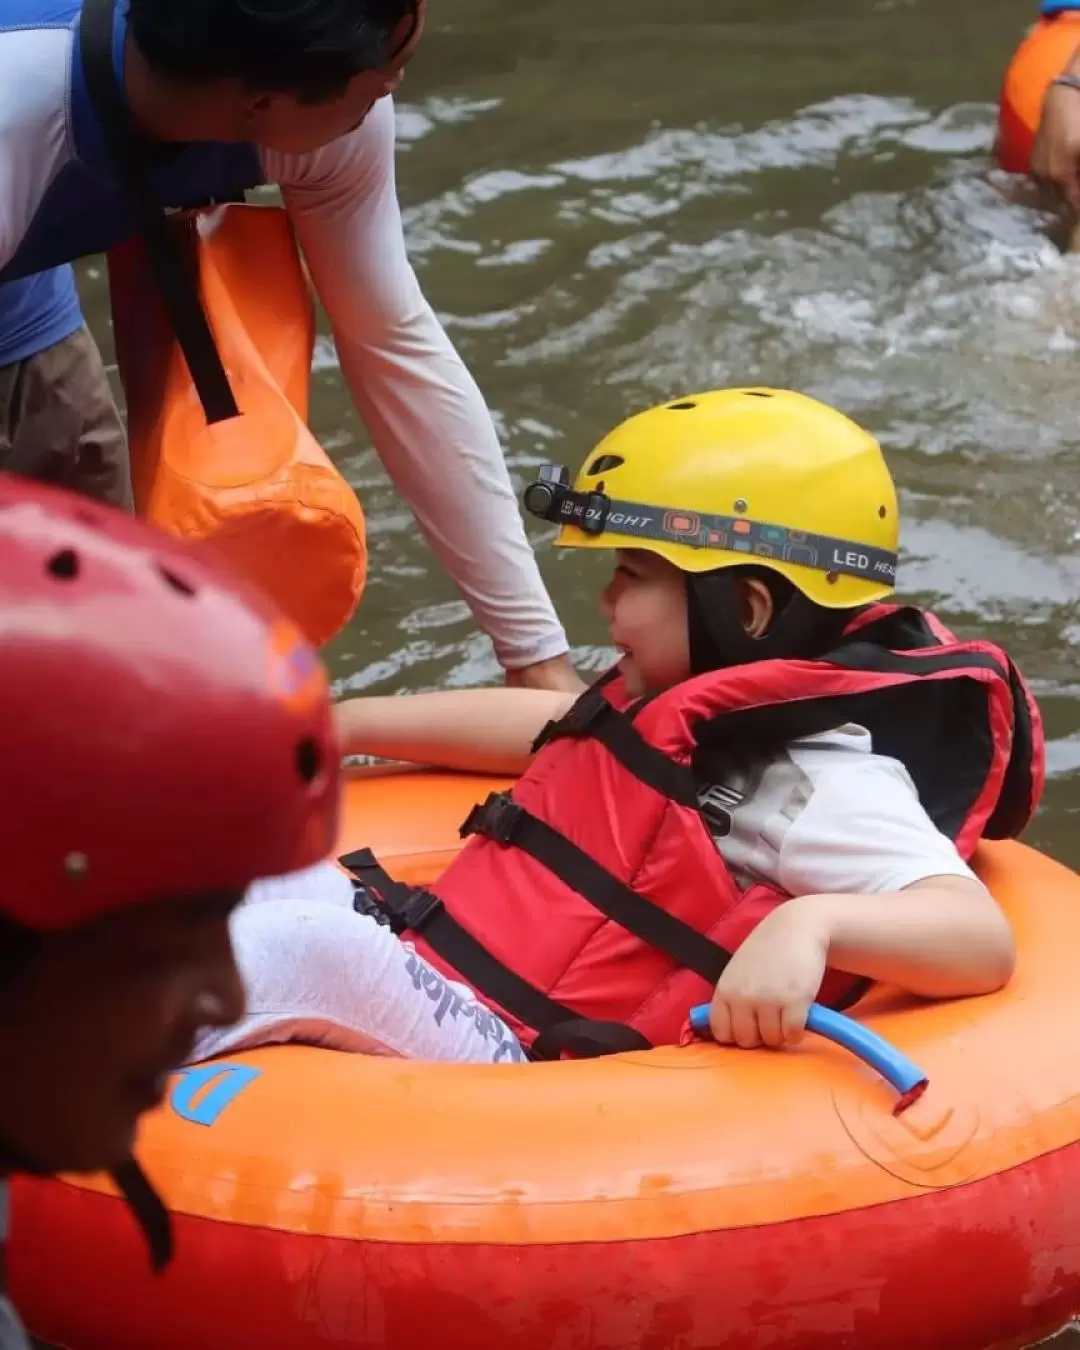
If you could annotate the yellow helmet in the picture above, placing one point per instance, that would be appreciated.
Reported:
(738, 476)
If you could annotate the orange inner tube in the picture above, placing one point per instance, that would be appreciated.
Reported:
(706, 1188)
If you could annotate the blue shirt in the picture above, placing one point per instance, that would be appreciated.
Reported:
(81, 208)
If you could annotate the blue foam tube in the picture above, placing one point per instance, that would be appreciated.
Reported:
(871, 1048)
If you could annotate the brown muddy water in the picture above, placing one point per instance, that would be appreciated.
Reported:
(611, 204)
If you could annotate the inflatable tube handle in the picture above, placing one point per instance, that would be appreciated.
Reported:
(1048, 8)
(897, 1070)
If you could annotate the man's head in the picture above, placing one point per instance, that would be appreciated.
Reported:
(289, 74)
(164, 740)
(748, 524)
(94, 1018)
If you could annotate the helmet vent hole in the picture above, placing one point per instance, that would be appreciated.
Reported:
(308, 759)
(178, 583)
(756, 393)
(64, 565)
(604, 464)
(681, 407)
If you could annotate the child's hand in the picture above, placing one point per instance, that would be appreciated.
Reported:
(764, 995)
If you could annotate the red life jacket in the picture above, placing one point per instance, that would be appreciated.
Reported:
(594, 908)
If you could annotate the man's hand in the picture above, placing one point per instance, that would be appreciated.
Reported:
(557, 674)
(1055, 157)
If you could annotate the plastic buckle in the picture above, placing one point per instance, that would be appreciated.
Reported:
(495, 818)
(418, 909)
(366, 902)
(594, 518)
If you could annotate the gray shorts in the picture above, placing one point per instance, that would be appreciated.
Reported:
(317, 972)
(59, 422)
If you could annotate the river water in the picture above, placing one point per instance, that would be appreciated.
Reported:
(611, 204)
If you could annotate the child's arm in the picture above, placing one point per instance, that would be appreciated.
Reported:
(942, 937)
(478, 730)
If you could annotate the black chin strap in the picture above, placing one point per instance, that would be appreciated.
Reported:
(150, 1214)
(134, 1187)
(718, 636)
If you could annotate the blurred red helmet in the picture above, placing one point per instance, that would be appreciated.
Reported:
(163, 731)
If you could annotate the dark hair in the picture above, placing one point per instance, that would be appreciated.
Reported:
(310, 48)
(799, 628)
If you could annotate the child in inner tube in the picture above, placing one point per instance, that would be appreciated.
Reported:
(876, 889)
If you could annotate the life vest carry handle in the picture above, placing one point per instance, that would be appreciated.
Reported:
(894, 1066)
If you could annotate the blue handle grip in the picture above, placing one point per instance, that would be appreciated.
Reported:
(1051, 7)
(871, 1048)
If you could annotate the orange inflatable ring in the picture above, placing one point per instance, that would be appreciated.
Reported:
(679, 1199)
(1043, 54)
(258, 489)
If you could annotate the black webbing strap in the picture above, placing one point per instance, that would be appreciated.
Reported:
(167, 261)
(593, 716)
(502, 819)
(414, 909)
(588, 1038)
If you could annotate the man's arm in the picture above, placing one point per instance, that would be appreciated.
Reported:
(1055, 157)
(423, 409)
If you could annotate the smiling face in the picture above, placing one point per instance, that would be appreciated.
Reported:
(95, 1018)
(645, 606)
(281, 121)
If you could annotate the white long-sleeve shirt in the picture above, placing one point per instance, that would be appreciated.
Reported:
(423, 410)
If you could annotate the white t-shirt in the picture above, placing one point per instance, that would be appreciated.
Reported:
(829, 815)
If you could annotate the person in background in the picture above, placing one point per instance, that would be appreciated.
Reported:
(1055, 157)
(227, 95)
(166, 739)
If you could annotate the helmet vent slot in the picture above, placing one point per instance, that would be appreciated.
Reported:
(308, 759)
(64, 565)
(178, 583)
(681, 407)
(756, 393)
(604, 464)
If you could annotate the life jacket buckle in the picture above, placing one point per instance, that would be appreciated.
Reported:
(417, 909)
(717, 805)
(367, 903)
(496, 818)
